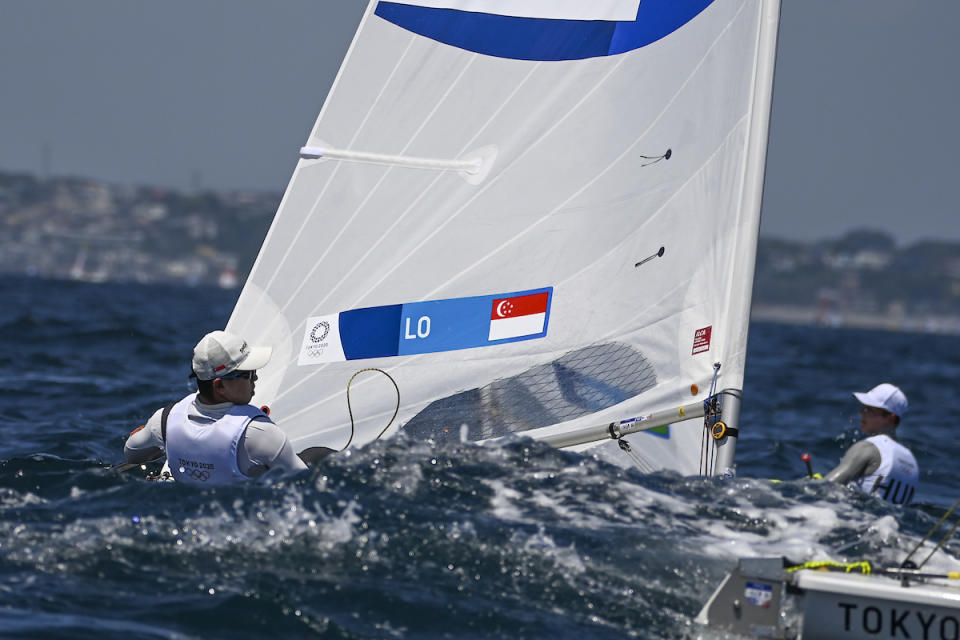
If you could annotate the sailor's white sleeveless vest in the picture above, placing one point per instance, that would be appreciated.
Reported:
(204, 452)
(897, 477)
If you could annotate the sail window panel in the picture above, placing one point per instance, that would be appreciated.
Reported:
(579, 383)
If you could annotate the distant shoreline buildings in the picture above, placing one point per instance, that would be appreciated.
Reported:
(861, 279)
(79, 229)
(87, 230)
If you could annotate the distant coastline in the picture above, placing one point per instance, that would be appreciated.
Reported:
(87, 230)
(810, 317)
(861, 279)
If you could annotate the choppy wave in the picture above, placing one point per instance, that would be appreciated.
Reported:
(410, 538)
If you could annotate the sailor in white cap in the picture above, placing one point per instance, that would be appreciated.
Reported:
(879, 464)
(214, 436)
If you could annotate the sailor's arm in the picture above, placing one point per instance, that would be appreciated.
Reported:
(266, 447)
(145, 443)
(862, 459)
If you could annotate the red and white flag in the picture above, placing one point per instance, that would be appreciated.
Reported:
(518, 316)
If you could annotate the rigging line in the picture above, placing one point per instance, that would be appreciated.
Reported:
(668, 294)
(708, 457)
(332, 175)
(656, 159)
(336, 395)
(341, 425)
(331, 397)
(350, 408)
(637, 460)
(703, 464)
(940, 544)
(712, 448)
(517, 236)
(466, 147)
(712, 403)
(931, 532)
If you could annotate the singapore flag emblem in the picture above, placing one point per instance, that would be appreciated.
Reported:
(518, 316)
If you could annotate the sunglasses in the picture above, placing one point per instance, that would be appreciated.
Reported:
(249, 375)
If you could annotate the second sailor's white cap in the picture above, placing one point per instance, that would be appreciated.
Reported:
(884, 396)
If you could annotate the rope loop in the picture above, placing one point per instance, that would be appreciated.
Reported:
(350, 408)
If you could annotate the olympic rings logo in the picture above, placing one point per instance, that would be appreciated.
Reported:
(319, 331)
(199, 474)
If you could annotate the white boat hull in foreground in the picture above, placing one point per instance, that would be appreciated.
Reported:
(834, 605)
(846, 605)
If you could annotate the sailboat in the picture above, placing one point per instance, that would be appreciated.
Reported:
(535, 218)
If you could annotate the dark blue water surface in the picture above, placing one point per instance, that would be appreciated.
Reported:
(408, 539)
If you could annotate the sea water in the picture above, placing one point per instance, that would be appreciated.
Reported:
(409, 539)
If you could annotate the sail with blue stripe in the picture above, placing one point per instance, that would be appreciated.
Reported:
(536, 216)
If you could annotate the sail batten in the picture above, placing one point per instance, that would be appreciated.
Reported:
(438, 164)
(591, 270)
(312, 211)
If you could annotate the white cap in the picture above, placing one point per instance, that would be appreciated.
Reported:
(219, 353)
(884, 396)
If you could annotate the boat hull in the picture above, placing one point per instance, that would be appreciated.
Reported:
(856, 606)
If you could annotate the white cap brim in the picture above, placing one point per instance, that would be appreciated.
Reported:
(256, 359)
(866, 400)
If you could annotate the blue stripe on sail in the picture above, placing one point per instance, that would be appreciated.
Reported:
(370, 332)
(655, 20)
(541, 38)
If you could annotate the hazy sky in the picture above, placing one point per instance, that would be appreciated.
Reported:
(223, 93)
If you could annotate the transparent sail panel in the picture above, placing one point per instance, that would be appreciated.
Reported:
(580, 383)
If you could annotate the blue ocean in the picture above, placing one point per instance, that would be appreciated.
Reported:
(408, 539)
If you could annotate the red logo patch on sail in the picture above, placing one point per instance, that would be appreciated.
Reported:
(518, 316)
(701, 340)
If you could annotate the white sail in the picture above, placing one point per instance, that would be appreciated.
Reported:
(533, 222)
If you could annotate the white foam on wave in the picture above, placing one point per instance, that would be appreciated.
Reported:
(543, 545)
(793, 532)
(503, 504)
(13, 499)
(253, 526)
(831, 528)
